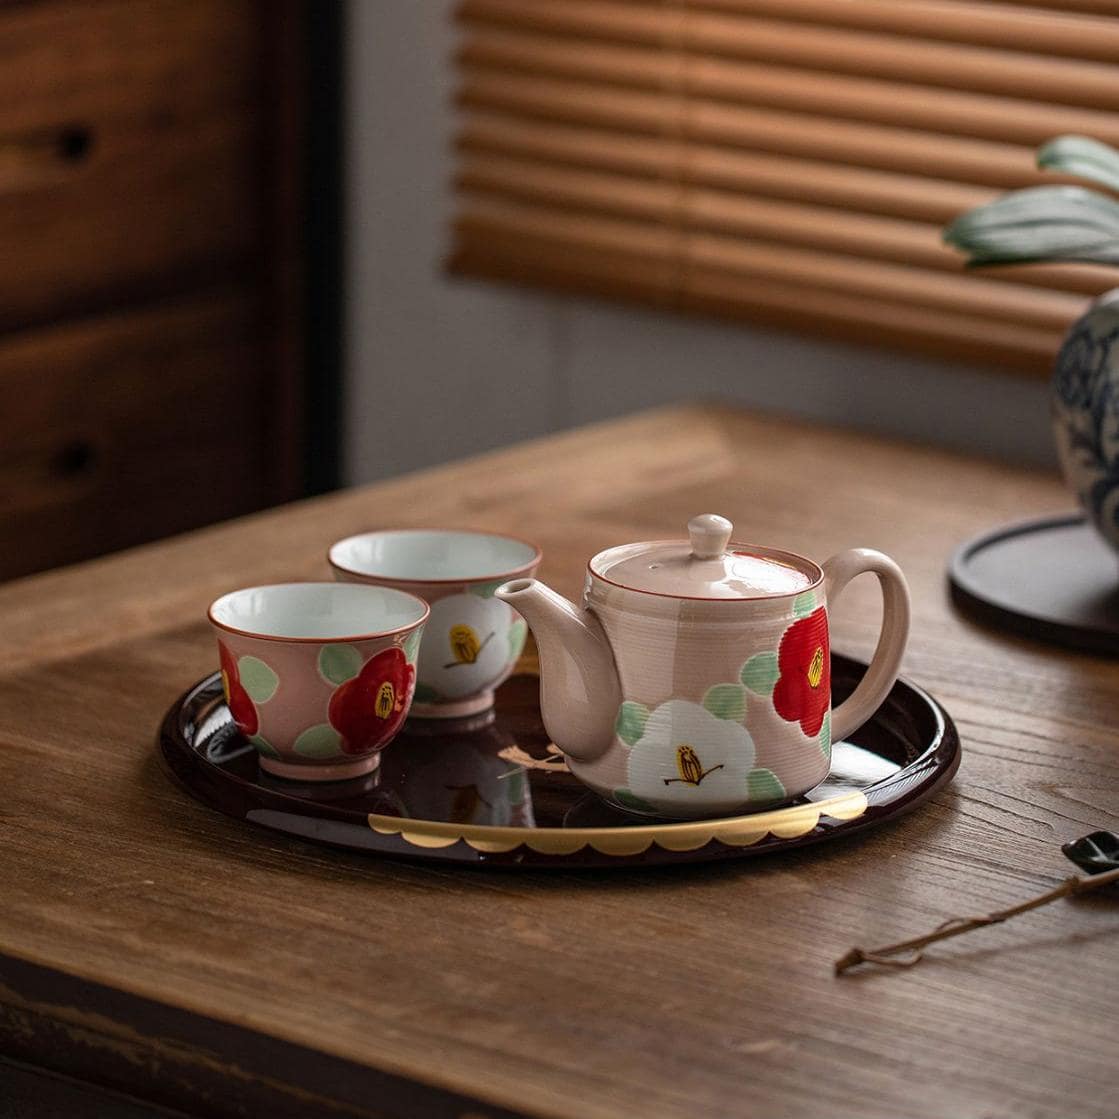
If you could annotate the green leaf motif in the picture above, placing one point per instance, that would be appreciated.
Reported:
(411, 645)
(627, 800)
(630, 724)
(824, 741)
(764, 785)
(804, 604)
(264, 746)
(339, 663)
(485, 590)
(425, 693)
(726, 701)
(1083, 157)
(518, 631)
(319, 741)
(760, 673)
(257, 679)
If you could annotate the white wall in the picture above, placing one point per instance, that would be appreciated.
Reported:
(438, 368)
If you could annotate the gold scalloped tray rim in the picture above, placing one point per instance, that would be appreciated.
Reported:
(735, 831)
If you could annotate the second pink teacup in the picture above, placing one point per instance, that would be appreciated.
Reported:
(473, 639)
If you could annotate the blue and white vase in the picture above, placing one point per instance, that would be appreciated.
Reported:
(1086, 413)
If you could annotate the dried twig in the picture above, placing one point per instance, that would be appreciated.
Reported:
(956, 926)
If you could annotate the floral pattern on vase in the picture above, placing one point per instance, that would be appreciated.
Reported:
(1085, 409)
(802, 693)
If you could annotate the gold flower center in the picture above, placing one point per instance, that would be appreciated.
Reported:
(689, 767)
(386, 700)
(465, 645)
(816, 667)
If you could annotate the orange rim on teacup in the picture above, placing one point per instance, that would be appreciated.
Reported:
(319, 677)
(473, 640)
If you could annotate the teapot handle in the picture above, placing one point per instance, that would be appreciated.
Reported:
(883, 669)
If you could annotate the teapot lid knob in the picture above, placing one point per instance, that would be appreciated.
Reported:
(709, 535)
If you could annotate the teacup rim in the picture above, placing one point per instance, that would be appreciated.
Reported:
(395, 631)
(507, 574)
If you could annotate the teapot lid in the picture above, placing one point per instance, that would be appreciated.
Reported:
(706, 565)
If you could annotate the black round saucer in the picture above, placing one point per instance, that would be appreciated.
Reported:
(1052, 578)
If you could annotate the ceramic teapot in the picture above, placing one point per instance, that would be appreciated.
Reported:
(694, 680)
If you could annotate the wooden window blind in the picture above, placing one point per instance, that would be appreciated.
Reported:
(785, 161)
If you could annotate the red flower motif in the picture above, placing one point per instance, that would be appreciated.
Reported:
(241, 707)
(803, 691)
(367, 710)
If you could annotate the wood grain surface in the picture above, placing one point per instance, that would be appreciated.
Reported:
(693, 992)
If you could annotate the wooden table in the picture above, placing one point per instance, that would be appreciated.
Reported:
(153, 945)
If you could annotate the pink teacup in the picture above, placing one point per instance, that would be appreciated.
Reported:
(319, 677)
(473, 639)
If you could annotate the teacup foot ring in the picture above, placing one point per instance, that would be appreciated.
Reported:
(456, 709)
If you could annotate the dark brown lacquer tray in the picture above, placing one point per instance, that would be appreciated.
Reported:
(493, 790)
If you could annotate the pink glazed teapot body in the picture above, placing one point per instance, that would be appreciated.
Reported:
(694, 680)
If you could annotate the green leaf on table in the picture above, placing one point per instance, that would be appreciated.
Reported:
(257, 679)
(1083, 157)
(726, 701)
(630, 724)
(339, 663)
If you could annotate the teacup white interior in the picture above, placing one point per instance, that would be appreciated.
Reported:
(326, 611)
(424, 555)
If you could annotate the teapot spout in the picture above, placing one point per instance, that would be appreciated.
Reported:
(579, 688)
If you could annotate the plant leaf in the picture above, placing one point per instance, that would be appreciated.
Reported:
(1040, 223)
(1083, 157)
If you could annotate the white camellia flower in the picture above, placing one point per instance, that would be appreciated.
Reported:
(465, 646)
(686, 755)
